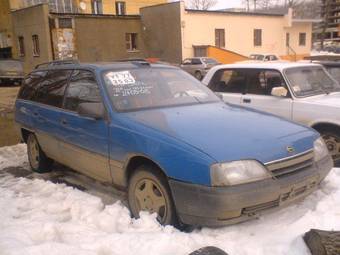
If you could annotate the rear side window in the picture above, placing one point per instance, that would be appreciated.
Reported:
(229, 81)
(30, 84)
(51, 89)
(83, 88)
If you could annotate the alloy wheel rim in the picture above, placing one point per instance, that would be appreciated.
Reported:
(33, 152)
(149, 197)
(333, 145)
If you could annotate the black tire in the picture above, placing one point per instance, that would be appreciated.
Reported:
(198, 75)
(331, 137)
(150, 176)
(38, 160)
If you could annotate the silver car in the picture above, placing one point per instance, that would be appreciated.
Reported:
(198, 66)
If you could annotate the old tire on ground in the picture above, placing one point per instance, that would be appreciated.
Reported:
(39, 162)
(332, 140)
(149, 191)
(198, 75)
(209, 250)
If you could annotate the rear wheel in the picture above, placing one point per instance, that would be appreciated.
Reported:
(149, 191)
(198, 75)
(39, 162)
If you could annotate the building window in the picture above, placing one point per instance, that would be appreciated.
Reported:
(21, 46)
(302, 39)
(287, 40)
(120, 8)
(220, 38)
(65, 23)
(36, 48)
(131, 41)
(257, 37)
(97, 6)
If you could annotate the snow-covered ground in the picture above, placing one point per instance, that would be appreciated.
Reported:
(38, 216)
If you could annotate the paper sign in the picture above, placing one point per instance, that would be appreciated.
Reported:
(120, 78)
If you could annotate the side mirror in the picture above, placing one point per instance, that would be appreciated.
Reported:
(91, 110)
(279, 92)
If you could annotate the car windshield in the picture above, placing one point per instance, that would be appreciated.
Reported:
(310, 80)
(209, 61)
(145, 88)
(334, 72)
(257, 57)
(10, 65)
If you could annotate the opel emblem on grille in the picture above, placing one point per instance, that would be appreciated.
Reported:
(290, 149)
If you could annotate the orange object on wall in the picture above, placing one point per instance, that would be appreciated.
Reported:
(224, 56)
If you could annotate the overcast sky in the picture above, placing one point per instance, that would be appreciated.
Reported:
(228, 4)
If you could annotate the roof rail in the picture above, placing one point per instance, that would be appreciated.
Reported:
(57, 63)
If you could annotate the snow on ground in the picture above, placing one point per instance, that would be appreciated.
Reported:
(38, 217)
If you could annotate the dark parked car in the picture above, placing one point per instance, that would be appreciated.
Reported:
(157, 133)
(11, 72)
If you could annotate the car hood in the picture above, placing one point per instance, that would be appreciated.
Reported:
(228, 133)
(332, 99)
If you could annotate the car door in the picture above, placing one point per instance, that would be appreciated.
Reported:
(229, 84)
(258, 93)
(85, 144)
(45, 114)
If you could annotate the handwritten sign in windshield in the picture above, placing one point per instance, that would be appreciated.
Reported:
(124, 84)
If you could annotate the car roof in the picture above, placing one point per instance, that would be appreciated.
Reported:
(280, 66)
(103, 66)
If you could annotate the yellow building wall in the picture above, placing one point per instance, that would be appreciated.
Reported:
(132, 6)
(6, 27)
(198, 28)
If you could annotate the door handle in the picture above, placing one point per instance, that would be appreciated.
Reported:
(247, 100)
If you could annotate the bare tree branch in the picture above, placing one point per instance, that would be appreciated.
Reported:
(201, 4)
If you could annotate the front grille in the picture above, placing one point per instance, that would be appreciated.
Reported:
(261, 207)
(291, 165)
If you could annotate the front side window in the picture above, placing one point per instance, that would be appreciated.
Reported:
(310, 80)
(36, 46)
(146, 88)
(209, 61)
(196, 61)
(229, 81)
(51, 89)
(131, 42)
(335, 72)
(261, 82)
(83, 88)
(257, 57)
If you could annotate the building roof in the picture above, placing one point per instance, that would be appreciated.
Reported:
(236, 13)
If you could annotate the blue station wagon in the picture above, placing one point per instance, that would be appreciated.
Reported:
(157, 133)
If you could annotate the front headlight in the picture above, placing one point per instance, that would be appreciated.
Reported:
(320, 149)
(237, 172)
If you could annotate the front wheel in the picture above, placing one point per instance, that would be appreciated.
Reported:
(332, 141)
(198, 75)
(149, 191)
(39, 162)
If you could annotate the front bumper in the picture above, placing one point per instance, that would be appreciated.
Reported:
(217, 206)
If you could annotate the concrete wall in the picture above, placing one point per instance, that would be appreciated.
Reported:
(33, 21)
(100, 38)
(162, 31)
(199, 29)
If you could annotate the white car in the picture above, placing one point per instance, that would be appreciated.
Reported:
(301, 92)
